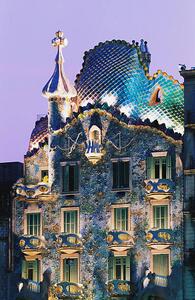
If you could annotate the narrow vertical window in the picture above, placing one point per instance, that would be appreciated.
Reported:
(159, 167)
(34, 224)
(71, 221)
(121, 218)
(161, 264)
(160, 216)
(70, 178)
(120, 171)
(70, 270)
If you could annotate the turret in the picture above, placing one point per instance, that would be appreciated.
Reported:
(59, 92)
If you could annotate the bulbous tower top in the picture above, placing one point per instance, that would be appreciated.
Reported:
(58, 85)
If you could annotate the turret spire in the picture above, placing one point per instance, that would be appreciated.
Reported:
(58, 85)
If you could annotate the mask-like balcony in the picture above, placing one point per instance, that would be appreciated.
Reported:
(119, 288)
(32, 192)
(119, 241)
(69, 243)
(31, 245)
(159, 188)
(160, 239)
(93, 151)
(67, 290)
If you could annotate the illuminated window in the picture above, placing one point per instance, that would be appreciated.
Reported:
(44, 175)
(30, 270)
(70, 270)
(159, 167)
(121, 218)
(71, 221)
(119, 268)
(120, 170)
(34, 224)
(161, 264)
(70, 177)
(160, 216)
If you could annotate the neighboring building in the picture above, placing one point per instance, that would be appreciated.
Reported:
(100, 205)
(9, 174)
(189, 184)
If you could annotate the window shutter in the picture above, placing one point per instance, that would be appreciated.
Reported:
(35, 270)
(115, 174)
(24, 269)
(169, 167)
(128, 268)
(110, 268)
(121, 174)
(126, 174)
(65, 178)
(150, 167)
(76, 177)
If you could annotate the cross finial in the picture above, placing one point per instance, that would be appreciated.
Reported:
(59, 40)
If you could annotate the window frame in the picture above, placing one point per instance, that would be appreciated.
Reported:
(117, 160)
(112, 267)
(69, 256)
(165, 202)
(26, 261)
(70, 163)
(33, 211)
(113, 207)
(158, 252)
(70, 208)
(150, 165)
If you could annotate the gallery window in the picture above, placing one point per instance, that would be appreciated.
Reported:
(31, 270)
(33, 224)
(119, 268)
(160, 216)
(121, 218)
(159, 167)
(70, 177)
(70, 270)
(120, 172)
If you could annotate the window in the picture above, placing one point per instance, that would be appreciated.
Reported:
(159, 167)
(160, 216)
(33, 224)
(121, 218)
(70, 270)
(71, 221)
(119, 268)
(44, 176)
(30, 270)
(70, 178)
(161, 264)
(120, 171)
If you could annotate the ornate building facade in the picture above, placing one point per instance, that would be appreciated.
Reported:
(99, 212)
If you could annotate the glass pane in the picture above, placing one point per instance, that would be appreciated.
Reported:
(70, 221)
(33, 224)
(71, 270)
(161, 264)
(157, 168)
(164, 167)
(121, 218)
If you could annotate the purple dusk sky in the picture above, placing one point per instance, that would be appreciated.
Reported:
(27, 57)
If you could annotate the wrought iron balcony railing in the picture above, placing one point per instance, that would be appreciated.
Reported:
(69, 243)
(119, 240)
(119, 288)
(161, 281)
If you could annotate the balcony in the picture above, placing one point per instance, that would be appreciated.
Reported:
(119, 241)
(67, 290)
(31, 192)
(69, 243)
(119, 288)
(31, 245)
(159, 188)
(28, 289)
(160, 239)
(161, 281)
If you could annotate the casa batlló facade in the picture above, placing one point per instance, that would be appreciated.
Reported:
(99, 213)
